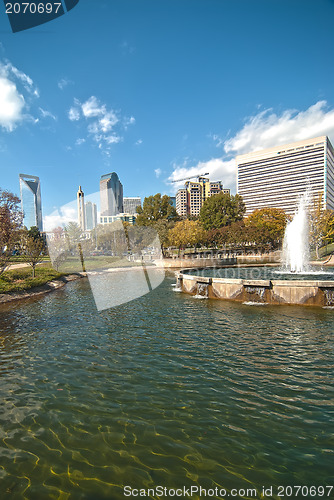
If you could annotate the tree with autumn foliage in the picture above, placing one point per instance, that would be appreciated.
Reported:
(321, 224)
(269, 226)
(186, 233)
(10, 223)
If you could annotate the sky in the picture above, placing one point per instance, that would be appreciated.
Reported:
(159, 90)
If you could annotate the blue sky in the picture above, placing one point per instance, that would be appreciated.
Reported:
(160, 89)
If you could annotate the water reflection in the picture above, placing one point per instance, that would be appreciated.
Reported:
(162, 390)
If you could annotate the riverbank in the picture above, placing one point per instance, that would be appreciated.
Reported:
(40, 290)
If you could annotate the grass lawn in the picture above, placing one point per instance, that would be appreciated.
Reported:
(16, 280)
(73, 264)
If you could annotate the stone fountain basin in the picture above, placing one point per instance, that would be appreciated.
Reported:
(315, 292)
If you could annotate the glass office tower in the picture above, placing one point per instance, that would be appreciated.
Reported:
(30, 190)
(111, 195)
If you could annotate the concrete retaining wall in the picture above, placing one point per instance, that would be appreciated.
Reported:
(320, 293)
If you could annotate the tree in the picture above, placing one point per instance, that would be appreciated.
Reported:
(155, 208)
(162, 227)
(321, 230)
(73, 232)
(269, 224)
(221, 210)
(10, 222)
(35, 233)
(186, 233)
(329, 229)
(33, 249)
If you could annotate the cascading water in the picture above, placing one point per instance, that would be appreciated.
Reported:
(296, 255)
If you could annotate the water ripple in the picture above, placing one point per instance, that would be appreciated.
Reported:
(162, 390)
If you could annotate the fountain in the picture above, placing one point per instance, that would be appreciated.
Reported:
(295, 283)
(296, 239)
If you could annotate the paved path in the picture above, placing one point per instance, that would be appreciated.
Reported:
(21, 265)
(17, 266)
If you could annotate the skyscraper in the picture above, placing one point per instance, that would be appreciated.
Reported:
(31, 203)
(111, 195)
(91, 215)
(276, 177)
(130, 204)
(81, 209)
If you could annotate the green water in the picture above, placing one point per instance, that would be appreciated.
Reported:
(165, 390)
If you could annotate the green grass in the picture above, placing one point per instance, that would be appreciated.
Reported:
(20, 259)
(73, 264)
(17, 280)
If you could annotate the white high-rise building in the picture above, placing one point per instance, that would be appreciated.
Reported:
(277, 177)
(91, 215)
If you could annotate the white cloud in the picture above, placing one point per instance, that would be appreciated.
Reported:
(11, 105)
(112, 139)
(65, 214)
(10, 71)
(64, 82)
(93, 107)
(74, 114)
(126, 48)
(158, 172)
(140, 141)
(101, 122)
(107, 122)
(80, 141)
(264, 130)
(17, 94)
(128, 121)
(47, 114)
(267, 129)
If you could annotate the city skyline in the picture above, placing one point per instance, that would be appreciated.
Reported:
(170, 91)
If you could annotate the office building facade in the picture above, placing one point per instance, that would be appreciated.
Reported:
(277, 177)
(91, 215)
(130, 204)
(190, 199)
(31, 201)
(124, 217)
(111, 195)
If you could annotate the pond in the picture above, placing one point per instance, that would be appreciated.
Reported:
(164, 390)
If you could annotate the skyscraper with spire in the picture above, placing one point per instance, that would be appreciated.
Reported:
(81, 209)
